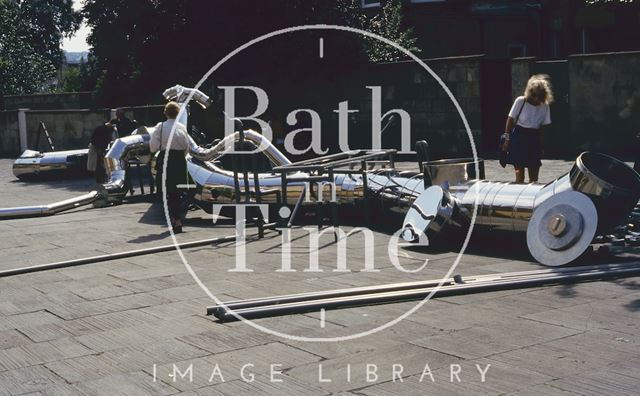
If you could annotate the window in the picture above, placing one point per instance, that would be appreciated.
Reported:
(370, 3)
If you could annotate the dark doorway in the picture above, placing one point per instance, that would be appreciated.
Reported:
(495, 101)
(557, 136)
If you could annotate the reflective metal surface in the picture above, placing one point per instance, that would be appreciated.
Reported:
(50, 209)
(612, 185)
(34, 163)
(562, 228)
(454, 171)
(115, 163)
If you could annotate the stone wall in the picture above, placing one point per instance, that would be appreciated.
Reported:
(54, 101)
(434, 116)
(69, 129)
(521, 70)
(597, 101)
(9, 134)
(605, 101)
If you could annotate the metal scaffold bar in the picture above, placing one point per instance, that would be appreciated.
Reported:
(306, 302)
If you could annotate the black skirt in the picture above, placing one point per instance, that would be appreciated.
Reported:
(525, 148)
(177, 173)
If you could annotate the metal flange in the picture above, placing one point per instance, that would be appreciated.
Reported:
(428, 214)
(562, 228)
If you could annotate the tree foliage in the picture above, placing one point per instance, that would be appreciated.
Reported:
(388, 24)
(140, 47)
(30, 36)
(23, 69)
(43, 24)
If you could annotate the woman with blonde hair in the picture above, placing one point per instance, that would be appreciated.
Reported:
(523, 131)
(174, 155)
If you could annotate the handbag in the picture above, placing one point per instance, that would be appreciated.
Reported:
(503, 140)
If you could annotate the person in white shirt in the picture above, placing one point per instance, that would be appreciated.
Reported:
(523, 130)
(174, 154)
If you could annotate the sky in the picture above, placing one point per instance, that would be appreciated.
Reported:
(77, 43)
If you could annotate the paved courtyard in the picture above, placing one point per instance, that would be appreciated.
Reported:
(138, 325)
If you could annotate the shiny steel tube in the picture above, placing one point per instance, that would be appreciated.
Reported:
(611, 184)
(219, 310)
(454, 171)
(180, 94)
(115, 163)
(50, 209)
(34, 163)
(516, 282)
(114, 256)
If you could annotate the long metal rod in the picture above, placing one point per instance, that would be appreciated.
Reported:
(50, 209)
(113, 256)
(295, 208)
(319, 295)
(413, 294)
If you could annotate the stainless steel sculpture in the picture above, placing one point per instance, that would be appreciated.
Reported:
(115, 162)
(35, 163)
(560, 224)
(613, 189)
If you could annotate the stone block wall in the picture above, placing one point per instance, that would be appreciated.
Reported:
(9, 134)
(434, 116)
(605, 101)
(52, 101)
(69, 129)
(601, 101)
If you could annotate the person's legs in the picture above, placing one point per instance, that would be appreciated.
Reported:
(519, 174)
(173, 203)
(100, 170)
(533, 174)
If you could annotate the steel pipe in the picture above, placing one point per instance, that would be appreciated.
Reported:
(414, 294)
(218, 310)
(49, 209)
(115, 161)
(35, 163)
(113, 256)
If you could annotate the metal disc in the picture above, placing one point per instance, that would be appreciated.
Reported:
(428, 213)
(562, 228)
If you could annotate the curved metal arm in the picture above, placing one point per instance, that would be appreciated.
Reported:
(115, 163)
(180, 95)
(276, 157)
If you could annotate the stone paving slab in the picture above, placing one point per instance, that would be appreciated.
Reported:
(119, 327)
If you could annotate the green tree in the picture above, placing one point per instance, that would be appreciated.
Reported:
(23, 69)
(70, 80)
(140, 47)
(388, 24)
(43, 24)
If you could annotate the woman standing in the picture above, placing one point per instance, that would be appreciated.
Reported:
(523, 131)
(174, 156)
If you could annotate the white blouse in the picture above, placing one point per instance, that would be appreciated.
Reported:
(532, 116)
(161, 133)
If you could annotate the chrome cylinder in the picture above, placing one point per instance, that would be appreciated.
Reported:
(612, 185)
(454, 171)
(115, 163)
(34, 163)
(50, 209)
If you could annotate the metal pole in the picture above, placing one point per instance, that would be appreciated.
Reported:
(413, 294)
(263, 301)
(113, 256)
